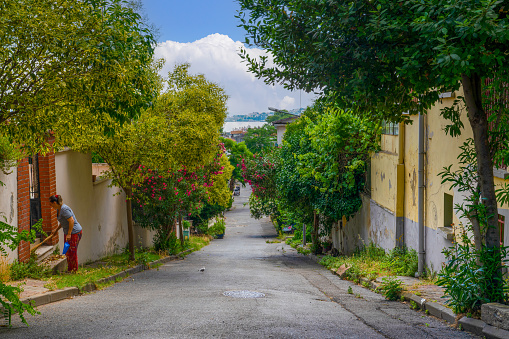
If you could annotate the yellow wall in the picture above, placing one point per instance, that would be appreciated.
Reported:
(383, 177)
(441, 150)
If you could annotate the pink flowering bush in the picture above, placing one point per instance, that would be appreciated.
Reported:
(260, 173)
(163, 197)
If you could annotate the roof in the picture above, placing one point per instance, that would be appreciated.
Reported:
(284, 121)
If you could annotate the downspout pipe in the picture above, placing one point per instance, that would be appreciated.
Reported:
(400, 189)
(422, 252)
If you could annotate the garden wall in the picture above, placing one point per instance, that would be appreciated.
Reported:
(9, 205)
(100, 209)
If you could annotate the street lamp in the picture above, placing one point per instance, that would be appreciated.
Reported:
(282, 111)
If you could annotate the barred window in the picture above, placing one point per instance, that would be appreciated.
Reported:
(390, 128)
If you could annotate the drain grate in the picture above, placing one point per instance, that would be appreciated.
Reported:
(243, 294)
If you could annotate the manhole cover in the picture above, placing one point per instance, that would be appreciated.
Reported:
(243, 294)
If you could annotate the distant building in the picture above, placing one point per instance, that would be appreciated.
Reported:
(238, 135)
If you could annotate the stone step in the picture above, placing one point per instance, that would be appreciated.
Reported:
(36, 242)
(43, 252)
(58, 266)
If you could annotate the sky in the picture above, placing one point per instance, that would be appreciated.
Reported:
(204, 33)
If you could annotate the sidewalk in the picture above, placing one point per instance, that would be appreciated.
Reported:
(429, 299)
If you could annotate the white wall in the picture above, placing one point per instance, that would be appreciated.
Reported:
(101, 210)
(281, 129)
(9, 205)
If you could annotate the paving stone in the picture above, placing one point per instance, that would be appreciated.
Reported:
(496, 314)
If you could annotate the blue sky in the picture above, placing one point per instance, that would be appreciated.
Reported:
(204, 33)
(191, 20)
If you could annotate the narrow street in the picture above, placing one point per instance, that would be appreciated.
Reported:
(300, 298)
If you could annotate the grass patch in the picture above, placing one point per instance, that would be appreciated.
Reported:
(372, 262)
(296, 243)
(84, 276)
(196, 243)
(106, 267)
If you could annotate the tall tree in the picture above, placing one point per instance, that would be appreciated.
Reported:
(236, 152)
(260, 138)
(389, 57)
(181, 130)
(144, 141)
(59, 57)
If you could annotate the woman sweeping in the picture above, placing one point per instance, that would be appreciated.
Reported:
(72, 230)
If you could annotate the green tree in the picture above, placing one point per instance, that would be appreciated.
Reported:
(9, 155)
(261, 138)
(181, 130)
(278, 116)
(322, 164)
(65, 58)
(142, 142)
(389, 57)
(236, 152)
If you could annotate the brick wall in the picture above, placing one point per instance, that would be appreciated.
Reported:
(48, 187)
(23, 207)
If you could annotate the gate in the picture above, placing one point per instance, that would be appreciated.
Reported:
(35, 191)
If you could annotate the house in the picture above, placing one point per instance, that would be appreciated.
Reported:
(100, 209)
(281, 127)
(389, 216)
(238, 135)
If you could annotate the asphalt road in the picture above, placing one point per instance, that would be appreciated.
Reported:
(301, 299)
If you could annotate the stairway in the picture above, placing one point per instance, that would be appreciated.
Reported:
(43, 252)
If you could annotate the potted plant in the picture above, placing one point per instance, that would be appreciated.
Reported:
(217, 230)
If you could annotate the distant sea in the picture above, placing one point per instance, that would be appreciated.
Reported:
(232, 125)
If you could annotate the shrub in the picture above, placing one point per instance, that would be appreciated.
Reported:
(5, 270)
(469, 284)
(217, 228)
(170, 244)
(30, 269)
(391, 288)
(403, 261)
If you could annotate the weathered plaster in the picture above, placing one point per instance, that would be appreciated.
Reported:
(8, 205)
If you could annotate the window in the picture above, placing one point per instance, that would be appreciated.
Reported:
(390, 128)
(448, 210)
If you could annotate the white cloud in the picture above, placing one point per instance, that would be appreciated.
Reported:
(287, 103)
(216, 56)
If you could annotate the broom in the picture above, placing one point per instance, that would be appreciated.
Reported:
(49, 237)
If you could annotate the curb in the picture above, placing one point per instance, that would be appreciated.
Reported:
(475, 326)
(90, 287)
(69, 292)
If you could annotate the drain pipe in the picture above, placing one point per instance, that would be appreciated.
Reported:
(422, 252)
(400, 189)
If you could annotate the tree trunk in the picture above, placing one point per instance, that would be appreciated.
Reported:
(315, 231)
(232, 184)
(479, 123)
(130, 228)
(181, 231)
